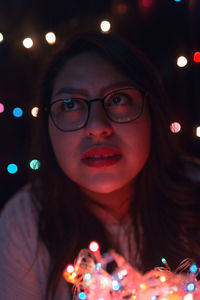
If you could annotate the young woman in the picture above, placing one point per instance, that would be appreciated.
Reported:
(110, 172)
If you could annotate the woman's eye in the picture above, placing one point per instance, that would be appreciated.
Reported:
(70, 105)
(118, 100)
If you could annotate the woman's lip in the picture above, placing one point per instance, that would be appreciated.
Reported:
(101, 151)
(102, 161)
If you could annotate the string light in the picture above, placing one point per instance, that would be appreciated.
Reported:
(1, 108)
(12, 168)
(182, 61)
(94, 246)
(34, 164)
(35, 111)
(50, 38)
(198, 131)
(175, 127)
(17, 112)
(27, 42)
(1, 37)
(105, 26)
(70, 269)
(193, 268)
(196, 57)
(160, 283)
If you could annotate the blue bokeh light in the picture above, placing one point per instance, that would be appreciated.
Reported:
(12, 168)
(17, 112)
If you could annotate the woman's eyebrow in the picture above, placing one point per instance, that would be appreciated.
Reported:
(71, 90)
(103, 90)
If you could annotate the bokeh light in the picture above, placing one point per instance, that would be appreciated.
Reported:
(93, 246)
(105, 26)
(182, 61)
(177, 0)
(28, 42)
(1, 37)
(70, 269)
(196, 57)
(35, 111)
(1, 108)
(50, 38)
(146, 3)
(12, 168)
(34, 164)
(198, 131)
(175, 127)
(17, 112)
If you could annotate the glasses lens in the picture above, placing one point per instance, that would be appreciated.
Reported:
(124, 105)
(69, 114)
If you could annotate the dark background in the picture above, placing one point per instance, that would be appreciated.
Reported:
(164, 30)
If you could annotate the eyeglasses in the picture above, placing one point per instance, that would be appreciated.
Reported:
(121, 106)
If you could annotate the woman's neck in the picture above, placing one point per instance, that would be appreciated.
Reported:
(111, 207)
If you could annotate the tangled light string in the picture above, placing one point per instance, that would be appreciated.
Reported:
(92, 281)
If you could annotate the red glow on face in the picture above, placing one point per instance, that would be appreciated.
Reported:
(94, 246)
(146, 3)
(196, 57)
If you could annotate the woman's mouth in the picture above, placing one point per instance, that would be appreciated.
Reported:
(101, 157)
(101, 161)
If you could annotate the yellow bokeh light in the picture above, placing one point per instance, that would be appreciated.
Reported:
(182, 61)
(198, 131)
(1, 37)
(50, 38)
(28, 42)
(35, 111)
(105, 26)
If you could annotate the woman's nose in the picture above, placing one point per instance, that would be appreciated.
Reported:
(98, 124)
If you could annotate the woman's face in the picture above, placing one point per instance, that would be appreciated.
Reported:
(117, 152)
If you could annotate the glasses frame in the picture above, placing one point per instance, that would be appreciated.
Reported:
(89, 101)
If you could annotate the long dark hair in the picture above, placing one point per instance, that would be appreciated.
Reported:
(165, 204)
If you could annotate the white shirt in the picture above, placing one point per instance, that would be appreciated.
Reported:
(23, 275)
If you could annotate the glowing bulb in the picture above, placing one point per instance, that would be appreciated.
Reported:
(35, 111)
(12, 168)
(34, 164)
(105, 26)
(82, 296)
(87, 276)
(73, 274)
(198, 131)
(1, 37)
(1, 108)
(115, 285)
(163, 260)
(143, 286)
(188, 297)
(182, 61)
(175, 127)
(50, 38)
(190, 287)
(17, 112)
(28, 43)
(70, 269)
(193, 268)
(162, 278)
(94, 246)
(196, 57)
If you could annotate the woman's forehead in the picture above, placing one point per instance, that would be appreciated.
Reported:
(89, 71)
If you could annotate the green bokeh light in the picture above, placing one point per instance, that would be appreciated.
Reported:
(34, 164)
